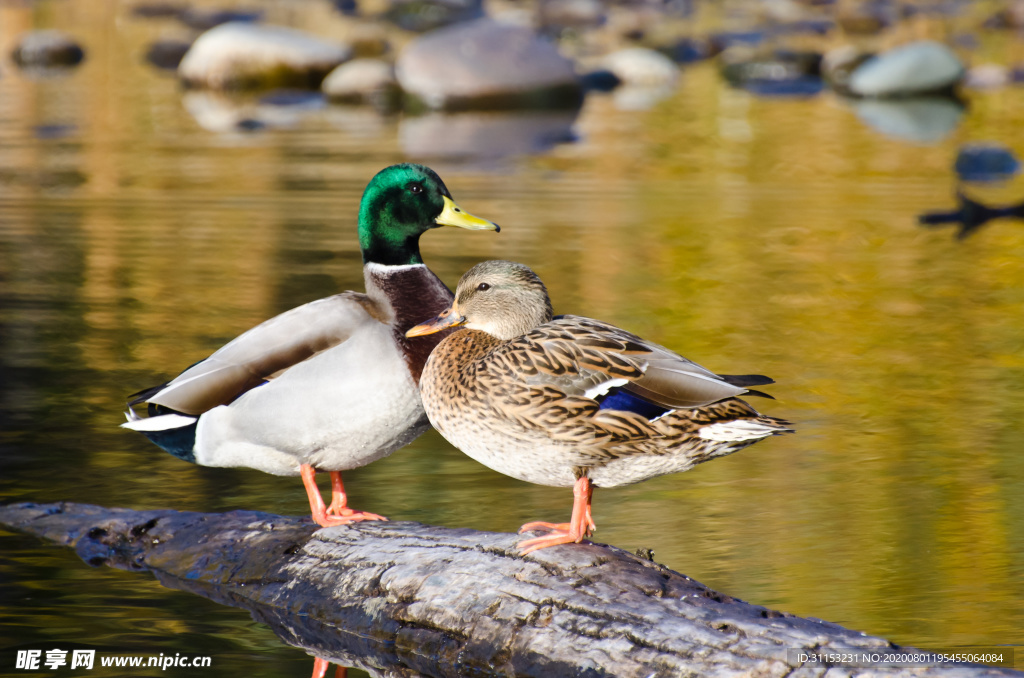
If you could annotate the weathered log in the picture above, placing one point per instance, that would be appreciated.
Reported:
(412, 599)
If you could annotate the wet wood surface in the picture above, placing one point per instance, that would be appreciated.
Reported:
(406, 599)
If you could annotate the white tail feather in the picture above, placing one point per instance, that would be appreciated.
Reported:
(736, 431)
(164, 422)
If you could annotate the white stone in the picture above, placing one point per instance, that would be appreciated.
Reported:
(358, 79)
(238, 54)
(915, 68)
(988, 76)
(641, 66)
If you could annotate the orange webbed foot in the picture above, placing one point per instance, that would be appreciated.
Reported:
(338, 513)
(553, 539)
(347, 515)
(541, 526)
(581, 524)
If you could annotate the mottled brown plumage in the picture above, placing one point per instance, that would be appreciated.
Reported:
(572, 400)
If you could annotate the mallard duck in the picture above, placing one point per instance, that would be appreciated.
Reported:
(572, 401)
(331, 385)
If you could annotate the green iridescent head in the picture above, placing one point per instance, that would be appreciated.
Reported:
(399, 204)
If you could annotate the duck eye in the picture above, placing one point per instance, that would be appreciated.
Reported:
(483, 287)
(415, 189)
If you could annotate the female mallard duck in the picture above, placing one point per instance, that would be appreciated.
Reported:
(331, 385)
(572, 401)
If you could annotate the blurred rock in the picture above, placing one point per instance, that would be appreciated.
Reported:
(807, 26)
(47, 49)
(966, 41)
(364, 81)
(934, 8)
(248, 56)
(346, 7)
(641, 66)
(205, 19)
(370, 42)
(925, 120)
(690, 50)
(917, 68)
(1011, 17)
(988, 76)
(859, 17)
(167, 54)
(600, 80)
(426, 15)
(484, 64)
(723, 41)
(776, 73)
(54, 131)
(986, 162)
(839, 64)
(555, 16)
(484, 135)
(806, 86)
(157, 10)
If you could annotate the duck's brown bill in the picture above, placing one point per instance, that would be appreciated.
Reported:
(450, 318)
(453, 215)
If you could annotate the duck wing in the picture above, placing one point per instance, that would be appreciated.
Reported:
(263, 353)
(593, 359)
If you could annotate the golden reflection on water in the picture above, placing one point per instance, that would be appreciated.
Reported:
(752, 235)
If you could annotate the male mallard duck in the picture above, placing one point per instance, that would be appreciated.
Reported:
(572, 401)
(331, 385)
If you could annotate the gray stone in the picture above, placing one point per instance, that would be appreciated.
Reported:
(248, 56)
(205, 19)
(485, 64)
(916, 68)
(556, 16)
(866, 18)
(167, 54)
(363, 81)
(47, 49)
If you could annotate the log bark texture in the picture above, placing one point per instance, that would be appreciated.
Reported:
(404, 599)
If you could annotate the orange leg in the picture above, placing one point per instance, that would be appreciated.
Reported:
(320, 669)
(580, 525)
(339, 513)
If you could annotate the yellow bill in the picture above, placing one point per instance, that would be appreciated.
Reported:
(453, 215)
(449, 318)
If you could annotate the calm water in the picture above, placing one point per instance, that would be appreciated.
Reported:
(138, 233)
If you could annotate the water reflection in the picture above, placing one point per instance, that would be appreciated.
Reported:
(219, 112)
(484, 136)
(970, 215)
(324, 642)
(924, 120)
